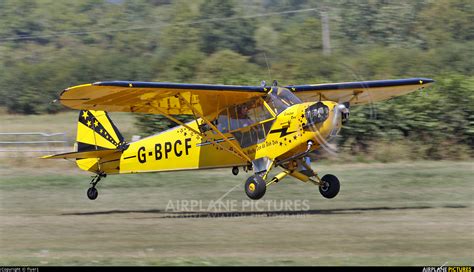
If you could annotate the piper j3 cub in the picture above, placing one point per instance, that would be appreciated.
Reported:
(257, 128)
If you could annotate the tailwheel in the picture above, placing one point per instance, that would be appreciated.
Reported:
(330, 186)
(255, 187)
(92, 193)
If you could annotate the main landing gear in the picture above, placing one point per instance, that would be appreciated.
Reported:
(92, 192)
(330, 186)
(256, 185)
(296, 166)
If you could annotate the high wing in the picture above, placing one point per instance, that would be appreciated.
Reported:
(157, 97)
(167, 98)
(361, 92)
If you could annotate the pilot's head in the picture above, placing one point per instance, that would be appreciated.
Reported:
(244, 110)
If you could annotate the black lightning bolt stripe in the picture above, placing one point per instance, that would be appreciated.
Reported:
(283, 131)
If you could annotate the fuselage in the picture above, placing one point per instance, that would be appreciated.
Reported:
(181, 148)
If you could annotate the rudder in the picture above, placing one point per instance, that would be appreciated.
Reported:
(96, 131)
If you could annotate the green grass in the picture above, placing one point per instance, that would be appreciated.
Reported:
(417, 213)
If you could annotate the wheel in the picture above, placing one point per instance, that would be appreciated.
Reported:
(330, 187)
(255, 187)
(235, 170)
(92, 193)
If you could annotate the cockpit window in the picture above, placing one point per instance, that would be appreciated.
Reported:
(249, 122)
(242, 117)
(223, 121)
(247, 114)
(280, 98)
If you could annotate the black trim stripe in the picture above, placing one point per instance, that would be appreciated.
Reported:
(362, 84)
(212, 87)
(82, 147)
(182, 86)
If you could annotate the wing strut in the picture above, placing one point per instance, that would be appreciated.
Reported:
(237, 148)
(355, 95)
(200, 133)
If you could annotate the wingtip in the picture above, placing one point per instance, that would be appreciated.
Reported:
(424, 81)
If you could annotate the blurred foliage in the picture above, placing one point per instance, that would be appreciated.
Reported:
(437, 117)
(47, 45)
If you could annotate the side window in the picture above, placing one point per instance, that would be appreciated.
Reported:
(244, 122)
(244, 114)
(241, 116)
(260, 111)
(250, 137)
(223, 121)
(233, 120)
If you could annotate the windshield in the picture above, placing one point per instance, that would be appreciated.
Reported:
(280, 98)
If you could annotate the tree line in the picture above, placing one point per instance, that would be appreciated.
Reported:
(46, 46)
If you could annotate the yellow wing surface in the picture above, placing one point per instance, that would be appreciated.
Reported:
(157, 97)
(360, 92)
(167, 98)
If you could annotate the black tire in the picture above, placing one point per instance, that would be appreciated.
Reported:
(92, 193)
(331, 186)
(235, 170)
(255, 187)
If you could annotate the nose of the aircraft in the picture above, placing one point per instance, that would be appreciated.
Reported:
(326, 119)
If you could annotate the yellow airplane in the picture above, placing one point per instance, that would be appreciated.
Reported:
(257, 128)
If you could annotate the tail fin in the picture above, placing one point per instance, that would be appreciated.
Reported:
(99, 144)
(95, 131)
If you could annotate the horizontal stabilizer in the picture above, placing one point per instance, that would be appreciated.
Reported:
(83, 154)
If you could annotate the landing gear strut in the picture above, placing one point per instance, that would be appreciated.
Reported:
(92, 192)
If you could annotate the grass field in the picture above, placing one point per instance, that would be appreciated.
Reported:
(417, 213)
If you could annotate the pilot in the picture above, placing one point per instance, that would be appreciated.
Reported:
(244, 119)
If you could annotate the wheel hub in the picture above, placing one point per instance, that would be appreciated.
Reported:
(325, 186)
(252, 187)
